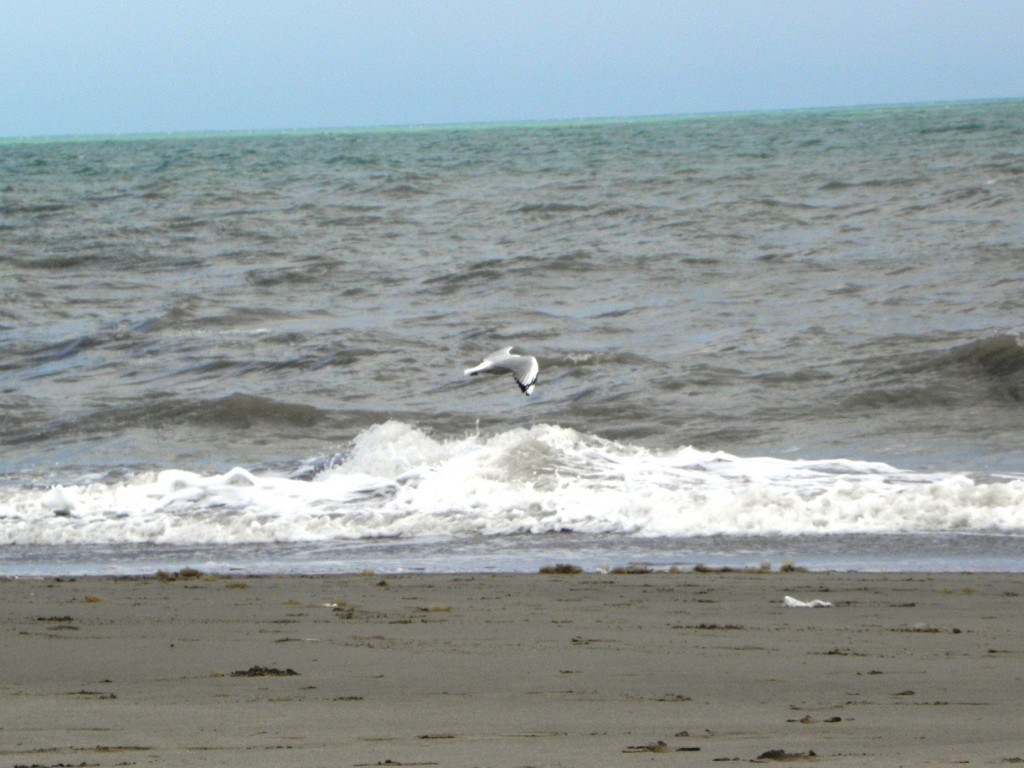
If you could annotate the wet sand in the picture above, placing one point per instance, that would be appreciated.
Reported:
(513, 670)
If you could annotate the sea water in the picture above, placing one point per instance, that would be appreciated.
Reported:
(773, 336)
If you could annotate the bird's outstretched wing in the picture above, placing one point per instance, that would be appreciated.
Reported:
(524, 368)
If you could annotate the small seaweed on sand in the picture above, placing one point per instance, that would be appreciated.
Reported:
(701, 568)
(658, 746)
(782, 756)
(264, 672)
(184, 573)
(764, 567)
(561, 568)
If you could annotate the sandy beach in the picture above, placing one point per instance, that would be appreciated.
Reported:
(580, 669)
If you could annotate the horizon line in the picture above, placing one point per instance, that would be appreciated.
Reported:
(468, 125)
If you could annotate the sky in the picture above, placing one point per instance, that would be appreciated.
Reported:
(80, 67)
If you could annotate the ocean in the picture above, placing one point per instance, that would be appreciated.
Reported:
(766, 338)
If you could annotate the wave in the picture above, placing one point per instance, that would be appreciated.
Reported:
(999, 356)
(240, 410)
(989, 370)
(895, 182)
(548, 209)
(968, 127)
(60, 350)
(397, 481)
(236, 411)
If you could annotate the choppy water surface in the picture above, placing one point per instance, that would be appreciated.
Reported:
(761, 327)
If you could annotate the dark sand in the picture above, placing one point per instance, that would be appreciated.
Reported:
(518, 670)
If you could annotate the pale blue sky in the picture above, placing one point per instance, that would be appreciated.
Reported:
(130, 66)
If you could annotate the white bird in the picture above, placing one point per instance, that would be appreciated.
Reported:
(792, 602)
(523, 367)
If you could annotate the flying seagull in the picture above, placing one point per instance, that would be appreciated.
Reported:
(523, 367)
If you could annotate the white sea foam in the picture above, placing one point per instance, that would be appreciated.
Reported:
(399, 481)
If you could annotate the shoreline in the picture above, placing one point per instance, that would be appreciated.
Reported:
(464, 669)
(923, 552)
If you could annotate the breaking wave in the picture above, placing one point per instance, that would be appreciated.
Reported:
(398, 481)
